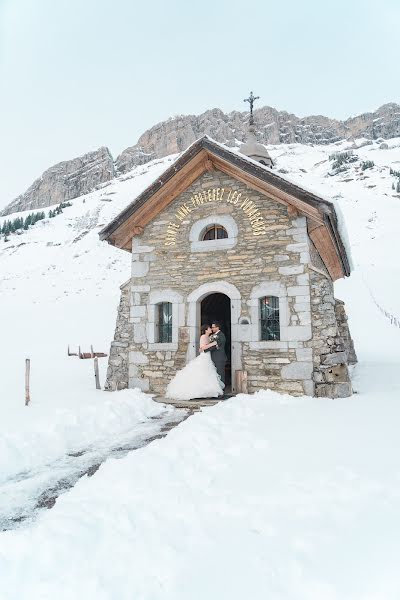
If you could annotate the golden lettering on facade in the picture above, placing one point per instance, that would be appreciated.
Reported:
(172, 230)
(214, 195)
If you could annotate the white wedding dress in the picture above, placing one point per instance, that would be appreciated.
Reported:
(198, 379)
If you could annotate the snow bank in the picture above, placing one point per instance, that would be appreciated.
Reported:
(263, 496)
(33, 437)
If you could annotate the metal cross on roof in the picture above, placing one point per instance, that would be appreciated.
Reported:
(251, 100)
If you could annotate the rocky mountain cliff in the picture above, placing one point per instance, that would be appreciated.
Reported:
(274, 127)
(73, 178)
(66, 180)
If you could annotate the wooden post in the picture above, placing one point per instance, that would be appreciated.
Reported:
(241, 382)
(96, 373)
(27, 375)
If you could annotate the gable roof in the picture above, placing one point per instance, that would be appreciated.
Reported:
(204, 155)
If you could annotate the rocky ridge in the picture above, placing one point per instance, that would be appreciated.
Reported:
(73, 178)
(273, 127)
(66, 180)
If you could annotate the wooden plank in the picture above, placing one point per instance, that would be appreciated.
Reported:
(241, 386)
(323, 242)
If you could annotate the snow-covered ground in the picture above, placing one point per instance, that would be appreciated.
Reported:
(262, 496)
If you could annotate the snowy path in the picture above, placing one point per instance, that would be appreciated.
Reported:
(23, 495)
(261, 496)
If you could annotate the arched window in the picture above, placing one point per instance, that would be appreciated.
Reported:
(269, 318)
(214, 232)
(164, 322)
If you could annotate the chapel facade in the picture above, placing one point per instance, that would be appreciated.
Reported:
(221, 236)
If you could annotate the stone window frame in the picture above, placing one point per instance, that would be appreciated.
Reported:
(156, 297)
(268, 288)
(197, 244)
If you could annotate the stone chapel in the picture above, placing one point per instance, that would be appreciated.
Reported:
(220, 235)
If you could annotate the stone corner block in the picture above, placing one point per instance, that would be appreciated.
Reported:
(297, 370)
(138, 358)
(333, 390)
(139, 382)
(309, 388)
(140, 269)
(336, 358)
(291, 270)
(139, 333)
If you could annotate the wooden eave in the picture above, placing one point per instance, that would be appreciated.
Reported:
(204, 155)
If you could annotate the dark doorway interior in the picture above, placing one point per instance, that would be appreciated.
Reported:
(217, 307)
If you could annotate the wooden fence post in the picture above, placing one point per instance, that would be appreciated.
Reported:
(27, 376)
(96, 373)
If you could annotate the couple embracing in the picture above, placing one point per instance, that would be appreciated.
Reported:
(204, 376)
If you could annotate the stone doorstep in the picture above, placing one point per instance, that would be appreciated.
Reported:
(193, 404)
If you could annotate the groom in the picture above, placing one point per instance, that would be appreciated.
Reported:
(218, 355)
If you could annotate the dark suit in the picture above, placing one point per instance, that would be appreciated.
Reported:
(218, 354)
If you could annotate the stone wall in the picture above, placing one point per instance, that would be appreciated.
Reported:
(118, 363)
(331, 341)
(280, 256)
(344, 342)
(245, 267)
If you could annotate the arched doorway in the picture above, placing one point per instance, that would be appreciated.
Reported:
(217, 307)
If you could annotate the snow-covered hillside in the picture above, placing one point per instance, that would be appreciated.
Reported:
(59, 286)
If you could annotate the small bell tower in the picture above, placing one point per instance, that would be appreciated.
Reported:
(251, 147)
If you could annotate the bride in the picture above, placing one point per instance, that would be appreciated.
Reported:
(199, 378)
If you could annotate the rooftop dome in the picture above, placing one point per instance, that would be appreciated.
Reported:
(255, 150)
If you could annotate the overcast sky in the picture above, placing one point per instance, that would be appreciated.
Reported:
(79, 74)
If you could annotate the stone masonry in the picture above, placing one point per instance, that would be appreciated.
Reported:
(315, 346)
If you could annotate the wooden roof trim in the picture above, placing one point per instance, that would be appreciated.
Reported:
(260, 172)
(134, 206)
(324, 240)
(266, 174)
(183, 179)
(205, 154)
(158, 202)
(267, 189)
(331, 223)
